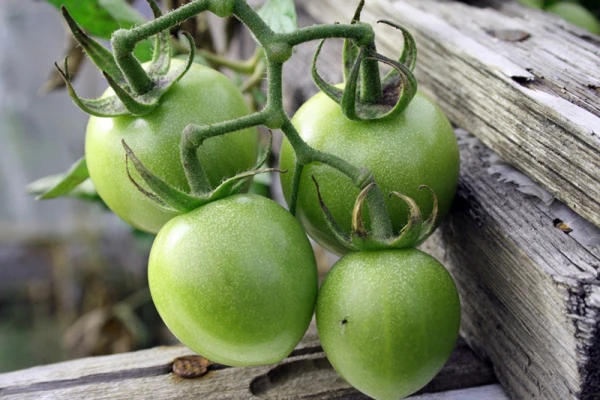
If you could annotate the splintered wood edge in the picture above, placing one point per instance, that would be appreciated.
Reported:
(147, 374)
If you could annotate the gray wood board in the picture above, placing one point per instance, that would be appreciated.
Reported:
(525, 82)
(530, 292)
(305, 374)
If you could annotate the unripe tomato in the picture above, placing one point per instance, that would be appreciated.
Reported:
(576, 14)
(417, 147)
(388, 320)
(202, 96)
(235, 280)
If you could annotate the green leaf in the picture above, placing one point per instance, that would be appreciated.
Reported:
(101, 18)
(60, 185)
(280, 15)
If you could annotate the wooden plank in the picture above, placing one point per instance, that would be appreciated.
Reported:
(530, 293)
(534, 100)
(146, 374)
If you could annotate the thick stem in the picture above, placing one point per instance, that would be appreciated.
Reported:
(370, 83)
(124, 41)
(194, 172)
(254, 22)
(195, 135)
(355, 31)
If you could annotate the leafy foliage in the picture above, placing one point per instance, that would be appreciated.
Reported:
(101, 18)
(280, 15)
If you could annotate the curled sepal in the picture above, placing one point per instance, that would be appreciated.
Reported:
(103, 107)
(161, 57)
(409, 51)
(330, 90)
(166, 195)
(175, 200)
(429, 223)
(333, 226)
(144, 103)
(350, 50)
(397, 92)
(235, 184)
(125, 100)
(360, 239)
(410, 234)
(99, 54)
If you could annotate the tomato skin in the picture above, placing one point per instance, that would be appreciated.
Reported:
(388, 320)
(235, 280)
(576, 14)
(418, 147)
(202, 96)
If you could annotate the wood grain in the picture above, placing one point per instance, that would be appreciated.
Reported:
(146, 374)
(525, 82)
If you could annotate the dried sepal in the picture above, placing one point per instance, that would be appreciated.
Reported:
(410, 234)
(360, 239)
(429, 223)
(358, 228)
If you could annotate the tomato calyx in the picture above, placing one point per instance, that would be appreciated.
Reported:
(126, 99)
(173, 199)
(359, 239)
(392, 94)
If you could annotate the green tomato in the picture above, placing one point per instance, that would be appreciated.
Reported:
(577, 15)
(532, 3)
(418, 147)
(388, 320)
(202, 96)
(235, 280)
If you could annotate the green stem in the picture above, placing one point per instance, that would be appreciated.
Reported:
(293, 203)
(124, 41)
(370, 84)
(355, 31)
(273, 115)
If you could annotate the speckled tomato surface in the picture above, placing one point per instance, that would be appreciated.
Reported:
(202, 96)
(388, 320)
(235, 280)
(417, 147)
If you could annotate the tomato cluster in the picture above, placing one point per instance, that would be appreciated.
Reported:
(236, 279)
(233, 275)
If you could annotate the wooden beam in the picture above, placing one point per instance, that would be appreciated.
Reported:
(147, 374)
(525, 82)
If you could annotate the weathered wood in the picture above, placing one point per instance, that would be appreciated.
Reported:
(530, 293)
(146, 374)
(533, 100)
